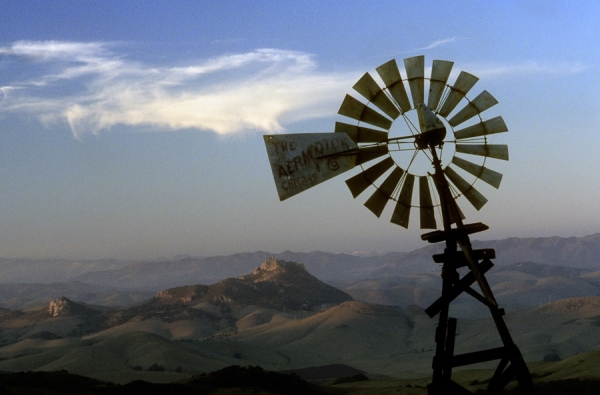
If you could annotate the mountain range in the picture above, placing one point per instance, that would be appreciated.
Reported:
(528, 272)
(279, 317)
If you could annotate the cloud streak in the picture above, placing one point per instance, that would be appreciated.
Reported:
(92, 88)
(527, 69)
(437, 43)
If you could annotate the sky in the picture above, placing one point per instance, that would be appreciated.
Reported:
(134, 130)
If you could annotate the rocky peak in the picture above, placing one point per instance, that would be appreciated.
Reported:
(185, 294)
(60, 306)
(64, 306)
(273, 268)
(272, 264)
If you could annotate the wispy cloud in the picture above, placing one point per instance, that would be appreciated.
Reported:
(437, 43)
(527, 68)
(93, 88)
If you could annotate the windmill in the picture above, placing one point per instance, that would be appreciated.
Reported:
(433, 160)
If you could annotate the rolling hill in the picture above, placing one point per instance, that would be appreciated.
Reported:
(279, 317)
(517, 286)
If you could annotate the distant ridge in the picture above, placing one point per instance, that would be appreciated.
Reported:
(335, 268)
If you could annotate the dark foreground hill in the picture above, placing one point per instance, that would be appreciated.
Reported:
(234, 379)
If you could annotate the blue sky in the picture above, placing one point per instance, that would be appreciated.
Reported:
(134, 129)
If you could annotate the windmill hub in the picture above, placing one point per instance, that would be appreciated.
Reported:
(432, 138)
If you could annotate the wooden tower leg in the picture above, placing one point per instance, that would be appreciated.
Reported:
(511, 364)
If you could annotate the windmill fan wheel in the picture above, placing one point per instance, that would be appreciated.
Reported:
(433, 125)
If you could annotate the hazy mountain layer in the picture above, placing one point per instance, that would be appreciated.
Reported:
(24, 295)
(338, 269)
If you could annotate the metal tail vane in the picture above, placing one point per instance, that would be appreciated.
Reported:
(388, 159)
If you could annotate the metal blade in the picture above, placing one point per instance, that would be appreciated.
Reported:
(295, 161)
(481, 103)
(359, 134)
(390, 75)
(369, 153)
(461, 87)
(440, 71)
(356, 110)
(382, 195)
(472, 194)
(426, 204)
(371, 91)
(401, 214)
(415, 71)
(490, 176)
(491, 126)
(363, 180)
(496, 151)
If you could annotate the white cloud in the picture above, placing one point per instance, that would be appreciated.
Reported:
(93, 89)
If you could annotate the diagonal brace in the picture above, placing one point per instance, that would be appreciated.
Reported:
(457, 289)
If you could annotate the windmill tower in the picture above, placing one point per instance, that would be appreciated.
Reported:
(444, 151)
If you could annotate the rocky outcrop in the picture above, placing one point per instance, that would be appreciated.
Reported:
(277, 284)
(64, 306)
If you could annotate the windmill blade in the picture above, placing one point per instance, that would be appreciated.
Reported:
(354, 109)
(401, 215)
(363, 180)
(496, 151)
(491, 126)
(376, 203)
(490, 176)
(481, 103)
(440, 71)
(461, 87)
(415, 72)
(359, 134)
(371, 91)
(426, 205)
(472, 194)
(390, 75)
(367, 154)
(295, 161)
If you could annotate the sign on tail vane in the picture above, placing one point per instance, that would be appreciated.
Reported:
(301, 161)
